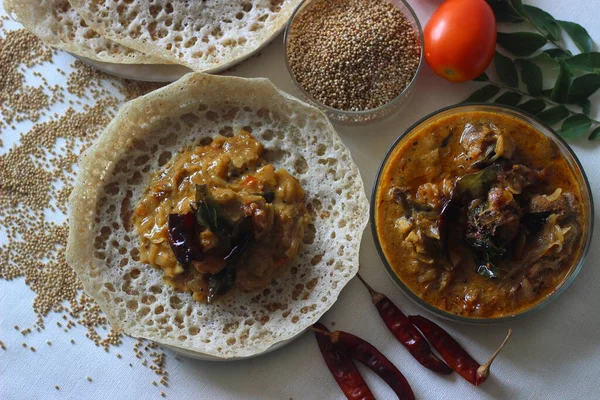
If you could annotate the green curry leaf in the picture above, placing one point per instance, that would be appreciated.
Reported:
(560, 92)
(544, 21)
(509, 98)
(575, 126)
(585, 62)
(531, 75)
(505, 13)
(558, 53)
(507, 72)
(483, 94)
(533, 106)
(521, 44)
(580, 36)
(553, 115)
(583, 87)
(595, 134)
(482, 78)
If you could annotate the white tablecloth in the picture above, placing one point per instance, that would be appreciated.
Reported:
(554, 354)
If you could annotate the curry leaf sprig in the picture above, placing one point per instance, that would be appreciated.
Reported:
(521, 77)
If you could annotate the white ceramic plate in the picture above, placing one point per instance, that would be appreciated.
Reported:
(164, 72)
(207, 357)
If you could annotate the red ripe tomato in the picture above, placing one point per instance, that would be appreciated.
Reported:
(460, 39)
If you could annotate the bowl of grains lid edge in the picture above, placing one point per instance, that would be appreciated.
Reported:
(309, 54)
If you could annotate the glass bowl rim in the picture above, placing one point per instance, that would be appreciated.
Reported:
(586, 189)
(351, 113)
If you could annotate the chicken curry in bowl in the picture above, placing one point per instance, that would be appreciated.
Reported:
(479, 214)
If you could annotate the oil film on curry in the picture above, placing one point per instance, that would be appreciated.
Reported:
(221, 217)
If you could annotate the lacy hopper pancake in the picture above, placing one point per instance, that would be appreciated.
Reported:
(227, 171)
(204, 36)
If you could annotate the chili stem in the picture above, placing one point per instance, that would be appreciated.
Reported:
(333, 336)
(369, 288)
(484, 370)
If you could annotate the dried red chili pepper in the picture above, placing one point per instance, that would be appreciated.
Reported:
(367, 354)
(183, 238)
(453, 353)
(405, 332)
(342, 368)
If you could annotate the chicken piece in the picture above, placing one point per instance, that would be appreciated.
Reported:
(559, 202)
(484, 144)
(494, 222)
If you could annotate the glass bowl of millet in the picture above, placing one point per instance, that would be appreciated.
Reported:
(356, 60)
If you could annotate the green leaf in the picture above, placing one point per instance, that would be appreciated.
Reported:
(483, 94)
(544, 21)
(560, 92)
(482, 78)
(531, 75)
(585, 62)
(533, 106)
(505, 13)
(509, 98)
(586, 106)
(517, 5)
(558, 53)
(553, 115)
(583, 87)
(580, 36)
(574, 126)
(595, 134)
(506, 70)
(521, 44)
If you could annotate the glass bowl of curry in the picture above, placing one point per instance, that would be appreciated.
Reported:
(481, 213)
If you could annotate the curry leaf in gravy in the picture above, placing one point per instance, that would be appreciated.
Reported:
(209, 213)
(221, 283)
(408, 205)
(475, 185)
(534, 221)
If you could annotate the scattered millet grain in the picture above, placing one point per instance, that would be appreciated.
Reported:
(37, 173)
(353, 54)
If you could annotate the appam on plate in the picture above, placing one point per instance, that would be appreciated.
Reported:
(148, 132)
(58, 25)
(206, 36)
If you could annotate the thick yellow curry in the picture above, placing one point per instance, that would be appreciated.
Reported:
(219, 217)
(479, 214)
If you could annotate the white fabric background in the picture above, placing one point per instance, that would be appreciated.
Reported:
(554, 354)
